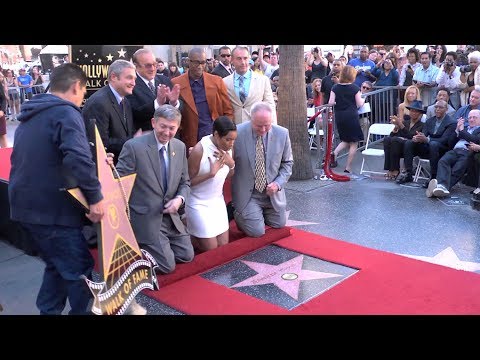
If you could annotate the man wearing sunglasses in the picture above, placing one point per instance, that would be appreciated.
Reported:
(224, 67)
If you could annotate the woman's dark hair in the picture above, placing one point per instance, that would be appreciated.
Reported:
(223, 125)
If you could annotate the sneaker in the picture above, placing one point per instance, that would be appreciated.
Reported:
(432, 184)
(404, 178)
(426, 183)
(135, 309)
(440, 191)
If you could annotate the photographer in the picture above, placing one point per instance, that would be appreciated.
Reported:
(470, 76)
(449, 78)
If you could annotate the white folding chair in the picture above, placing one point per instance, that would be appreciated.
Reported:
(312, 134)
(312, 137)
(422, 171)
(375, 129)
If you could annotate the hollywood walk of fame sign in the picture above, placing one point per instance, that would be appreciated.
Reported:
(125, 270)
(96, 59)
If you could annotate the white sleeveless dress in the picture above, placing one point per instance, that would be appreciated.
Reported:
(205, 207)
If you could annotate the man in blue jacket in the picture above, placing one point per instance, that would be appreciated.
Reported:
(51, 153)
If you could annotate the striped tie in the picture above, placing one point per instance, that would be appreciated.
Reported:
(152, 87)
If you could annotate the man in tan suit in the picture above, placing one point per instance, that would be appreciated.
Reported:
(246, 87)
(204, 99)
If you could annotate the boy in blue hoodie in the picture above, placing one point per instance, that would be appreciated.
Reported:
(51, 153)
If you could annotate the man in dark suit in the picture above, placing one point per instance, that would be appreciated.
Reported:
(454, 163)
(111, 110)
(259, 203)
(161, 186)
(224, 67)
(150, 91)
(204, 98)
(431, 144)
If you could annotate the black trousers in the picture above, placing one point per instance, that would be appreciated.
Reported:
(452, 166)
(432, 151)
(393, 147)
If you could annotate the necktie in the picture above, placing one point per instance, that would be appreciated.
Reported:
(164, 168)
(260, 177)
(152, 87)
(241, 89)
(122, 111)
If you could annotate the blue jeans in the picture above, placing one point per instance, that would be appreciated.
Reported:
(65, 253)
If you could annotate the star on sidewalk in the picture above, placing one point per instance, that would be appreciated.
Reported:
(286, 276)
(449, 258)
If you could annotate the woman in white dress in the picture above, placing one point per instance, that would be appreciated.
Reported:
(209, 164)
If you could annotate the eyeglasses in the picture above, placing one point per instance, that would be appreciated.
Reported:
(382, 53)
(225, 55)
(196, 63)
(366, 87)
(146, 66)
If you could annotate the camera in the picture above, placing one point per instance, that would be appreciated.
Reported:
(465, 68)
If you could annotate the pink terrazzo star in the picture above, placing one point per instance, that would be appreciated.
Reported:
(286, 276)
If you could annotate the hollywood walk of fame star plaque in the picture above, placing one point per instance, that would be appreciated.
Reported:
(125, 270)
(280, 276)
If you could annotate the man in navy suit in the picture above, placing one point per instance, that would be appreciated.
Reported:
(431, 144)
(111, 110)
(454, 163)
(224, 67)
(150, 91)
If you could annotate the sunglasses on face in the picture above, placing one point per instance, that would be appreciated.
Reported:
(366, 87)
(225, 55)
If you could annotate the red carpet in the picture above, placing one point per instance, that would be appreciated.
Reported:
(5, 154)
(387, 284)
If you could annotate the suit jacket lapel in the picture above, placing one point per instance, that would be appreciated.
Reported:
(152, 152)
(186, 93)
(140, 84)
(230, 83)
(210, 91)
(116, 106)
(270, 150)
(250, 147)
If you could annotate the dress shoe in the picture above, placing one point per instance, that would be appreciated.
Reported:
(432, 184)
(135, 309)
(404, 178)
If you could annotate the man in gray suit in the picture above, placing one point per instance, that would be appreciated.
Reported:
(161, 187)
(259, 205)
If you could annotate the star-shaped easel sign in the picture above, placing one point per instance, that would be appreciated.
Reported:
(115, 225)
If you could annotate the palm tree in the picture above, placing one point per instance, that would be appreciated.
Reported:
(292, 108)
